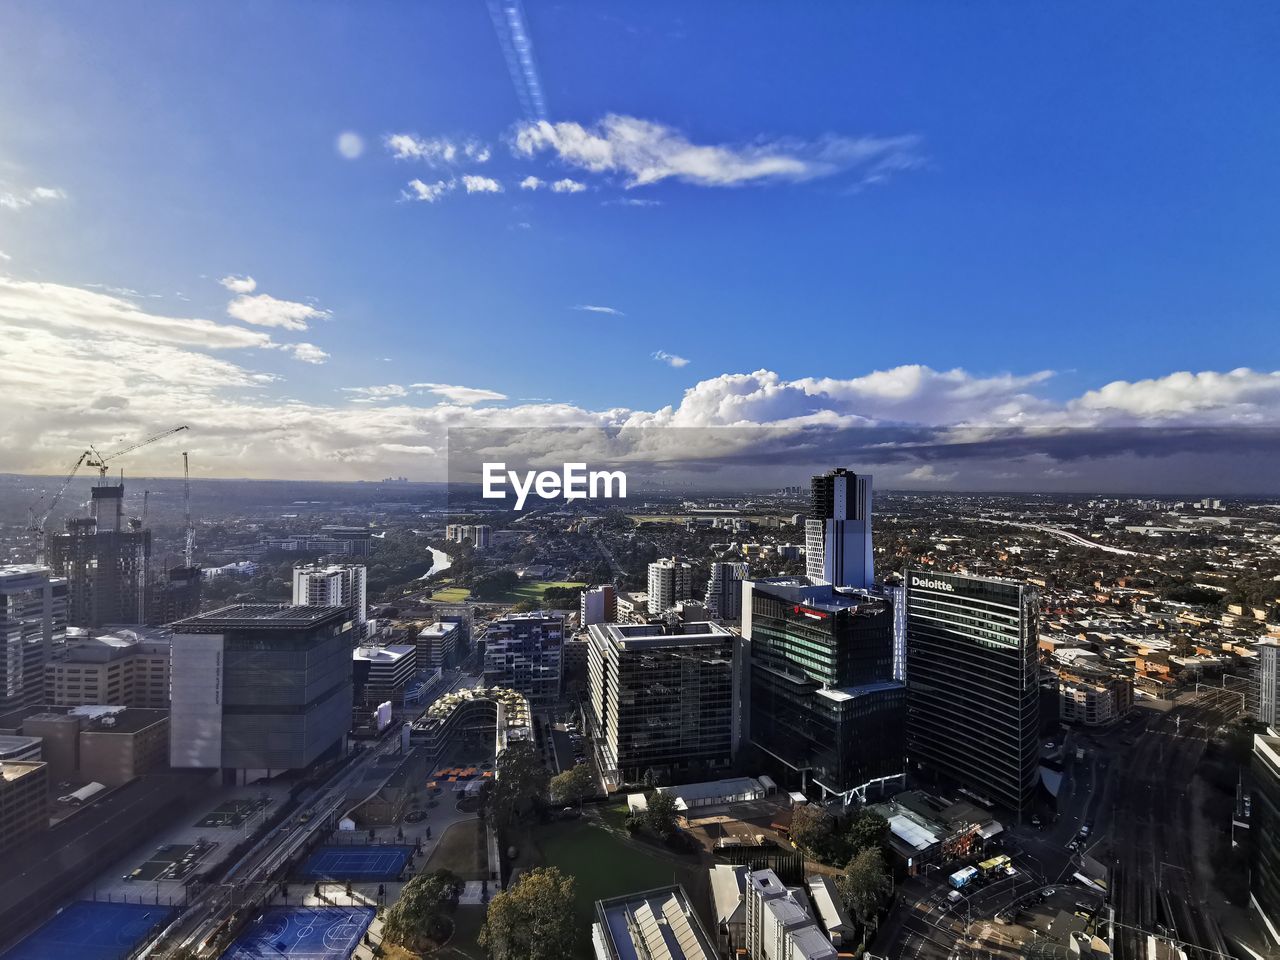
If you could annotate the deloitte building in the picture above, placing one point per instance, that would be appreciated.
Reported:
(973, 715)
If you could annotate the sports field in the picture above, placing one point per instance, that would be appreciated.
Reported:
(356, 862)
(302, 933)
(89, 930)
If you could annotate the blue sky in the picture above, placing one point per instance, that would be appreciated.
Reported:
(1087, 189)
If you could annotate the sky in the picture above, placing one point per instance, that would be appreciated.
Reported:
(323, 234)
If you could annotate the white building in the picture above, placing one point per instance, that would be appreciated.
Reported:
(438, 644)
(838, 531)
(598, 605)
(779, 926)
(331, 585)
(724, 590)
(33, 622)
(670, 580)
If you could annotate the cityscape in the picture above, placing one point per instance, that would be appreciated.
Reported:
(506, 480)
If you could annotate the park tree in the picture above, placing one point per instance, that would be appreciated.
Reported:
(866, 829)
(865, 883)
(520, 785)
(532, 920)
(813, 830)
(660, 817)
(420, 918)
(573, 785)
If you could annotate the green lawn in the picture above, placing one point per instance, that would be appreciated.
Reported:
(461, 850)
(451, 595)
(534, 591)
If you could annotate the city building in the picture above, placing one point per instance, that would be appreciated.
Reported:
(598, 605)
(110, 745)
(381, 674)
(724, 590)
(779, 927)
(654, 924)
(1091, 698)
(472, 718)
(331, 585)
(33, 624)
(106, 561)
(176, 597)
(633, 607)
(260, 688)
(523, 652)
(1264, 875)
(438, 644)
(838, 530)
(127, 667)
(670, 580)
(973, 715)
(822, 701)
(662, 697)
(15, 747)
(1265, 698)
(828, 906)
(479, 535)
(24, 800)
(357, 538)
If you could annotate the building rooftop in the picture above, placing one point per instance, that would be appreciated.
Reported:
(11, 770)
(845, 694)
(648, 635)
(654, 925)
(439, 629)
(389, 654)
(261, 616)
(11, 745)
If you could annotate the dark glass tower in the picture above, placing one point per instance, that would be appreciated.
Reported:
(973, 709)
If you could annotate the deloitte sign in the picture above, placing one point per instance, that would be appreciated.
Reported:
(932, 584)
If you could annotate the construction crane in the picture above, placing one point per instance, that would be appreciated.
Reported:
(98, 460)
(189, 553)
(36, 522)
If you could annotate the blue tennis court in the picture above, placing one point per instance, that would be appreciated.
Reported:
(87, 930)
(356, 862)
(302, 933)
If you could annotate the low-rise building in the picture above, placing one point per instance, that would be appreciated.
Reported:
(104, 744)
(128, 666)
(655, 923)
(24, 800)
(779, 927)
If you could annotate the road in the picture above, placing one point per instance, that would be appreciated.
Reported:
(1067, 535)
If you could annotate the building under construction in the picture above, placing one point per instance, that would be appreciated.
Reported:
(176, 597)
(105, 558)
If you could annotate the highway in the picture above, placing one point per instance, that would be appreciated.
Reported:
(1073, 538)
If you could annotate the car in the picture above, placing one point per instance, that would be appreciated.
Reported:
(954, 896)
(1010, 871)
(415, 816)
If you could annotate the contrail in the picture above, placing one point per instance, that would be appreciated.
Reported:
(508, 21)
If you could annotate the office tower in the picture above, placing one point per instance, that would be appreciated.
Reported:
(106, 562)
(724, 590)
(778, 925)
(1264, 877)
(598, 605)
(838, 531)
(670, 580)
(522, 652)
(381, 674)
(973, 708)
(331, 585)
(822, 701)
(175, 598)
(33, 621)
(24, 800)
(127, 667)
(1265, 696)
(662, 697)
(438, 645)
(260, 688)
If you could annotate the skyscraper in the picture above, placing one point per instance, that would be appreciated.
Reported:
(1265, 695)
(598, 605)
(724, 590)
(33, 620)
(331, 585)
(973, 708)
(822, 700)
(838, 530)
(670, 581)
(523, 653)
(105, 560)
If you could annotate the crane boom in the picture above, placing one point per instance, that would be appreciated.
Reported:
(99, 461)
(36, 522)
(189, 553)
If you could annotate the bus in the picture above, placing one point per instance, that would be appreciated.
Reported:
(962, 878)
(989, 868)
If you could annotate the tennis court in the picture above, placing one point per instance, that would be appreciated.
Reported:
(88, 930)
(356, 862)
(302, 933)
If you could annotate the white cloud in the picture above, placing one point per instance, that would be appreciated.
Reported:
(427, 192)
(4, 256)
(474, 184)
(670, 359)
(568, 186)
(646, 152)
(531, 183)
(596, 308)
(25, 198)
(927, 473)
(264, 310)
(460, 395)
(349, 144)
(631, 202)
(245, 284)
(435, 151)
(386, 391)
(307, 352)
(1237, 396)
(477, 152)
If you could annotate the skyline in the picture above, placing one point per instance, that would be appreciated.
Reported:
(917, 227)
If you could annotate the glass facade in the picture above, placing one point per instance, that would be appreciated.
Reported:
(822, 697)
(1264, 886)
(973, 709)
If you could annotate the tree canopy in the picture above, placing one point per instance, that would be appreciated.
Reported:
(865, 883)
(573, 785)
(420, 918)
(533, 919)
(521, 783)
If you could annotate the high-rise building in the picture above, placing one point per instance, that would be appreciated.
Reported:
(724, 590)
(33, 622)
(838, 530)
(438, 645)
(1264, 877)
(598, 605)
(381, 674)
(670, 581)
(663, 697)
(822, 701)
(1265, 696)
(331, 585)
(127, 667)
(176, 597)
(481, 536)
(973, 708)
(106, 561)
(522, 652)
(260, 688)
